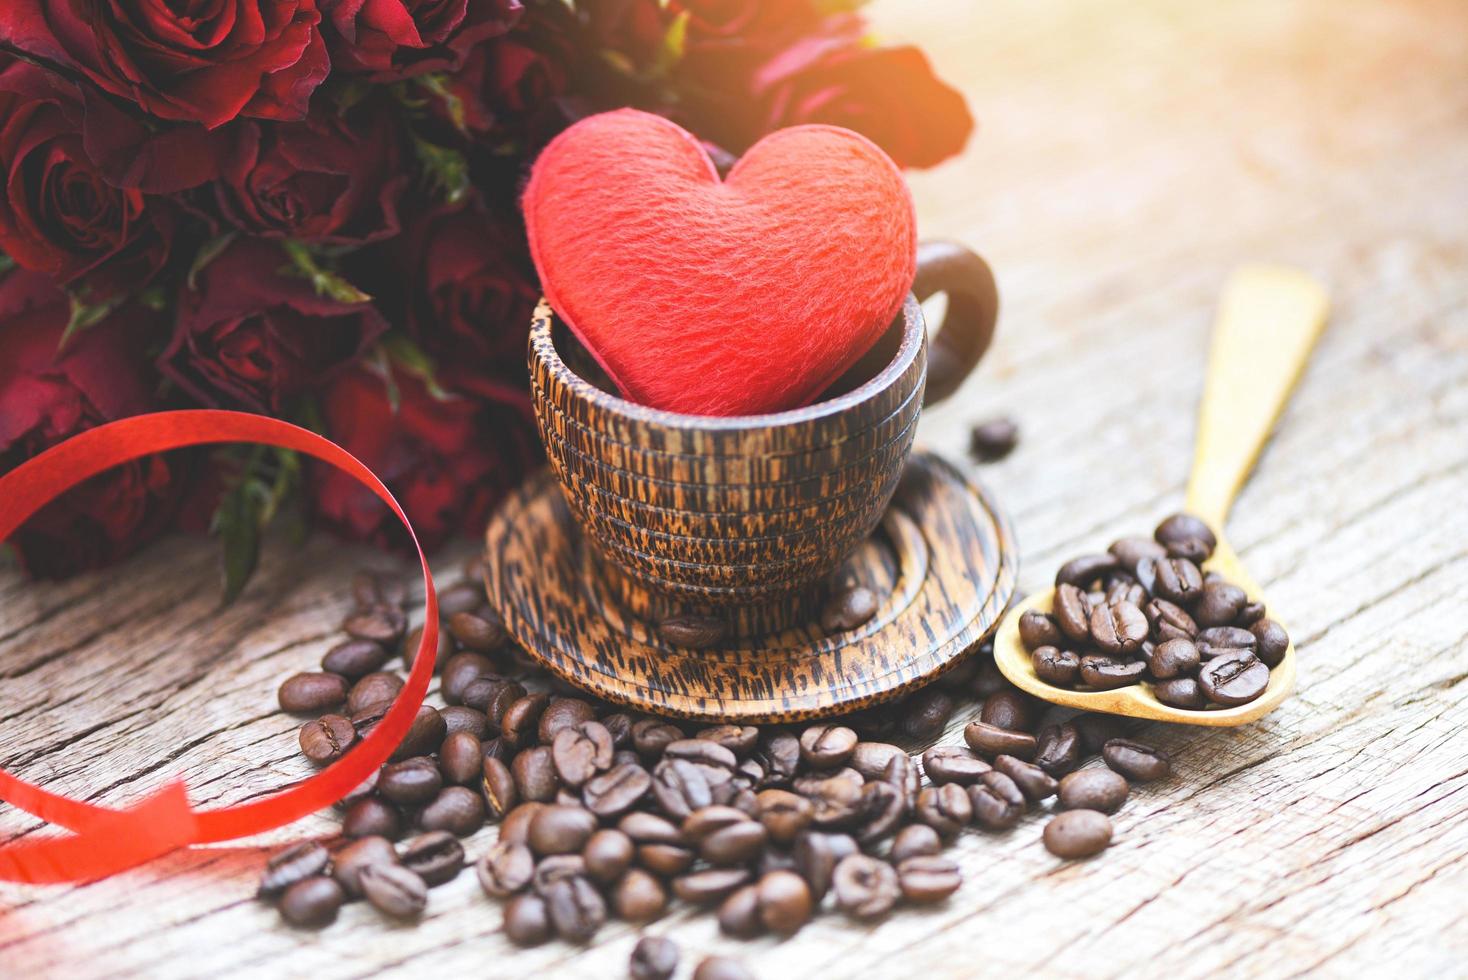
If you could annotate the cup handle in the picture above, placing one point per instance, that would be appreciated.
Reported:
(968, 326)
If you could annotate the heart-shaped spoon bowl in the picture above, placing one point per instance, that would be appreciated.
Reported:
(1268, 321)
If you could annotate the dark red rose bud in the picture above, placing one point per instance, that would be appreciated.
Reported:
(393, 39)
(250, 336)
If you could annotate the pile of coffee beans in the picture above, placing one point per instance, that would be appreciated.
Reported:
(604, 814)
(1145, 612)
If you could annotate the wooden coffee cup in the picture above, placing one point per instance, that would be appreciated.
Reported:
(742, 517)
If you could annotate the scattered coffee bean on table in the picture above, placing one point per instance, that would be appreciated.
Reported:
(603, 814)
(993, 439)
(1144, 612)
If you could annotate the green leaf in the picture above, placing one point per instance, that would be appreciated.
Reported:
(267, 484)
(6, 263)
(86, 315)
(207, 253)
(437, 84)
(239, 531)
(380, 364)
(672, 47)
(9, 557)
(324, 281)
(446, 169)
(404, 352)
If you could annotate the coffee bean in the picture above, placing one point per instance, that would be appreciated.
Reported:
(372, 817)
(1058, 749)
(1224, 641)
(692, 632)
(649, 828)
(783, 814)
(926, 713)
(1097, 729)
(608, 854)
(1271, 641)
(560, 830)
(436, 857)
(651, 736)
(991, 740)
(377, 688)
(848, 609)
(461, 670)
(680, 787)
(411, 781)
(616, 791)
(1234, 679)
(442, 651)
(461, 759)
(710, 886)
(915, 840)
(653, 958)
(1180, 692)
(327, 738)
(1120, 591)
(461, 597)
(294, 864)
(1093, 789)
(865, 887)
(1176, 580)
(492, 695)
(581, 751)
(816, 856)
(394, 890)
(505, 869)
(721, 968)
(993, 439)
(1169, 621)
(945, 808)
(739, 913)
(576, 908)
(1173, 658)
(1137, 762)
(1250, 614)
(477, 633)
(872, 758)
(425, 735)
(953, 764)
(1105, 674)
(381, 624)
(785, 903)
(1186, 536)
(1219, 604)
(996, 801)
(1072, 613)
(1077, 834)
(739, 739)
(348, 862)
(928, 879)
(312, 903)
(1129, 551)
(312, 693)
(458, 810)
(562, 713)
(827, 746)
(1035, 783)
(1055, 666)
(638, 897)
(527, 920)
(516, 824)
(458, 718)
(1010, 710)
(535, 774)
(1036, 629)
(498, 787)
(880, 810)
(1086, 571)
(521, 720)
(1118, 628)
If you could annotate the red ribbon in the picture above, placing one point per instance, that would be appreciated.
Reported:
(105, 841)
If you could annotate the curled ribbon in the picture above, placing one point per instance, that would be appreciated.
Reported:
(105, 841)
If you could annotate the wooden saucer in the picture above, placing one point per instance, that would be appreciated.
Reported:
(943, 561)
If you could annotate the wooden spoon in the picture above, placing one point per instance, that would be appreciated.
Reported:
(1269, 319)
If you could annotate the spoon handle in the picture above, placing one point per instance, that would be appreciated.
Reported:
(1268, 320)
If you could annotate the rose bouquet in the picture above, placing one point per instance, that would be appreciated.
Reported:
(308, 208)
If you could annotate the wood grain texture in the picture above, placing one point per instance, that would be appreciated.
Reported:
(1129, 156)
(943, 567)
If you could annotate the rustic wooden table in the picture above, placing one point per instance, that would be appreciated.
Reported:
(1130, 154)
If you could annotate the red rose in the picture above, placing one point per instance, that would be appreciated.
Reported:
(889, 95)
(251, 337)
(471, 288)
(335, 178)
(447, 460)
(397, 38)
(204, 61)
(57, 214)
(506, 81)
(47, 395)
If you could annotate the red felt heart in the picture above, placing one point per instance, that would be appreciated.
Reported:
(741, 296)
